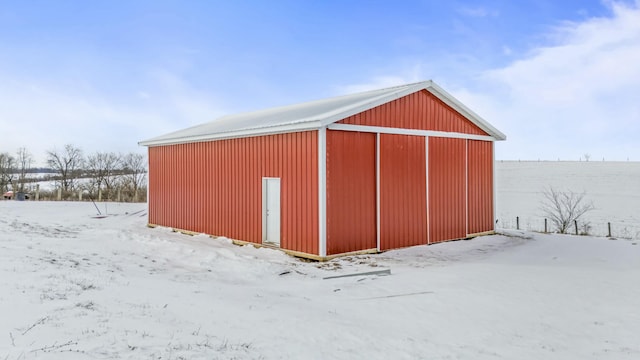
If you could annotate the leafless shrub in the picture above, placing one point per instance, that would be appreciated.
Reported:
(585, 228)
(564, 207)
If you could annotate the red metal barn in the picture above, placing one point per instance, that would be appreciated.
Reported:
(367, 172)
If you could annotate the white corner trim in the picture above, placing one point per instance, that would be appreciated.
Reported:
(322, 192)
(494, 180)
(378, 191)
(400, 131)
(148, 185)
(426, 159)
(466, 186)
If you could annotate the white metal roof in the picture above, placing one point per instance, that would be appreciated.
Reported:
(311, 115)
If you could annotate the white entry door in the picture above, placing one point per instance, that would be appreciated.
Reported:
(271, 210)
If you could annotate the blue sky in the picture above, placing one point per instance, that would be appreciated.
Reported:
(560, 78)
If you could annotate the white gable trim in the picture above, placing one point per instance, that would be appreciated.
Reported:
(448, 99)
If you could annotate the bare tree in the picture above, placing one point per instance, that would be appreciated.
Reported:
(113, 166)
(68, 164)
(587, 157)
(7, 164)
(564, 207)
(135, 172)
(104, 169)
(24, 160)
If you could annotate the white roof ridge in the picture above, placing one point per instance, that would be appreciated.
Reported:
(290, 106)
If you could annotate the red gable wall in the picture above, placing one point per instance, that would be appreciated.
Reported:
(418, 111)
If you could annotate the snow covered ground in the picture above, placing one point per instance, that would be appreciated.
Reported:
(613, 187)
(76, 287)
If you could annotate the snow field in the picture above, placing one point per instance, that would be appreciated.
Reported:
(613, 187)
(76, 287)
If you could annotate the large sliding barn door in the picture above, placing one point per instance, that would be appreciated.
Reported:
(447, 189)
(403, 197)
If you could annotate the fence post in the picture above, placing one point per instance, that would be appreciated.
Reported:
(575, 223)
(99, 195)
(517, 223)
(37, 192)
(59, 194)
(609, 226)
(80, 195)
(545, 226)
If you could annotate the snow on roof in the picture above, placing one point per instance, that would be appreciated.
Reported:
(310, 116)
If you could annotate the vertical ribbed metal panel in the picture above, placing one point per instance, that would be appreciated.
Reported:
(480, 182)
(447, 189)
(403, 210)
(216, 187)
(351, 191)
(420, 110)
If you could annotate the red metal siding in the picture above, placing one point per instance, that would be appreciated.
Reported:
(403, 210)
(447, 189)
(351, 191)
(216, 187)
(480, 184)
(420, 110)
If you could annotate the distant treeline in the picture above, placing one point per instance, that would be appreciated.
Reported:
(104, 173)
(40, 170)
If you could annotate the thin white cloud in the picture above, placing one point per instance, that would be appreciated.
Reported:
(478, 12)
(580, 94)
